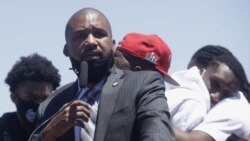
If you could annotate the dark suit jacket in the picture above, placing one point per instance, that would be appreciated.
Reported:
(133, 107)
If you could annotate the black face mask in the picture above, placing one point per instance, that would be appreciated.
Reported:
(96, 69)
(27, 111)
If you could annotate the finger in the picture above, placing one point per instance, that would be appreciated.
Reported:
(67, 104)
(80, 106)
(84, 116)
(81, 103)
(80, 123)
(78, 112)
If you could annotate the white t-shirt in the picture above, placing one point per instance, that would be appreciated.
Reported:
(231, 115)
(189, 102)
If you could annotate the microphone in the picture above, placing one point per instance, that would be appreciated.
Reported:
(83, 71)
(83, 74)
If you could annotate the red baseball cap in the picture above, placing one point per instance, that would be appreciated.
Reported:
(148, 47)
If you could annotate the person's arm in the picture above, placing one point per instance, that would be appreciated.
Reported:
(192, 136)
(224, 119)
(152, 121)
(186, 107)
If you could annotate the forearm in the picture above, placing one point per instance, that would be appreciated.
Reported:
(192, 136)
(180, 135)
(46, 136)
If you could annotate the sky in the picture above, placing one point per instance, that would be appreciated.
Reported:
(30, 26)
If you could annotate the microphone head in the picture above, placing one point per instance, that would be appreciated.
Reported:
(83, 74)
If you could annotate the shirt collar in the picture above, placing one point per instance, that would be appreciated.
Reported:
(98, 86)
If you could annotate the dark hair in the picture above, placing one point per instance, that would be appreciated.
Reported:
(206, 54)
(233, 63)
(32, 68)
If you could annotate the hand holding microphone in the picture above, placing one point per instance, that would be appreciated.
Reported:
(67, 118)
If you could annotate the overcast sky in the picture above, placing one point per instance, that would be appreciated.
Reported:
(30, 26)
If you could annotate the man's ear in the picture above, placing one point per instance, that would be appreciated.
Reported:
(65, 50)
(114, 45)
(114, 42)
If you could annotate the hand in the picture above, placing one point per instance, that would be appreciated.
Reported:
(71, 115)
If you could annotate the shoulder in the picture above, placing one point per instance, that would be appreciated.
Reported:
(116, 70)
(6, 119)
(57, 92)
(144, 76)
(57, 99)
(64, 87)
(181, 95)
(7, 116)
(144, 73)
(139, 82)
(135, 76)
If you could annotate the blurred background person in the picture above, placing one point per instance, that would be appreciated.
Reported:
(223, 119)
(31, 80)
(206, 54)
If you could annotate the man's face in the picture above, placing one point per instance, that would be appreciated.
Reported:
(27, 97)
(89, 37)
(33, 91)
(220, 81)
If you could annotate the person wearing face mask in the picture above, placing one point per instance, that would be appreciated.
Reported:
(31, 80)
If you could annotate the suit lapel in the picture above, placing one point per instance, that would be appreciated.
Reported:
(108, 98)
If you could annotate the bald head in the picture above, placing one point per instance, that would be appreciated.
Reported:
(89, 14)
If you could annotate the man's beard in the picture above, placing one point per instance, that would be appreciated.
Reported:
(97, 69)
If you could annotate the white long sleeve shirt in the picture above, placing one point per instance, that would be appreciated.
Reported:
(229, 116)
(189, 102)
